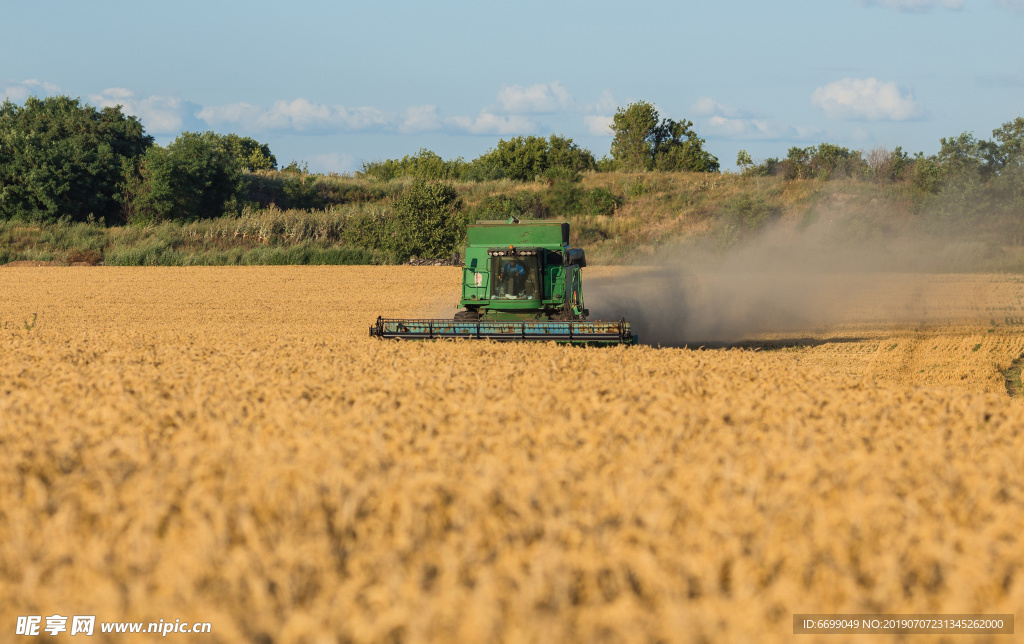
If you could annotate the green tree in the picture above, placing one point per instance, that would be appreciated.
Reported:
(898, 163)
(823, 161)
(59, 158)
(521, 158)
(797, 164)
(641, 142)
(925, 173)
(563, 153)
(524, 158)
(251, 154)
(743, 160)
(961, 156)
(1007, 148)
(1004, 163)
(633, 143)
(195, 177)
(427, 221)
(677, 148)
(830, 161)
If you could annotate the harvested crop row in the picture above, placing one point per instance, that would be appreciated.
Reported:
(225, 445)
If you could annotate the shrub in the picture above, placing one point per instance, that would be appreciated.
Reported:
(606, 164)
(427, 222)
(925, 174)
(886, 166)
(561, 173)
(824, 161)
(502, 207)
(599, 201)
(426, 165)
(565, 199)
(767, 168)
(743, 215)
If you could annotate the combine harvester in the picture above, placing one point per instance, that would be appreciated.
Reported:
(521, 282)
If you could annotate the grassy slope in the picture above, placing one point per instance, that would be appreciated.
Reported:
(654, 211)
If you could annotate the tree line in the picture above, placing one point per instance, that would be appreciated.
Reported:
(641, 141)
(60, 158)
(961, 160)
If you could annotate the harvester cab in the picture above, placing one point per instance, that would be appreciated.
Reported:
(521, 281)
(516, 271)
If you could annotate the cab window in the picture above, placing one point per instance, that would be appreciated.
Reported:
(515, 278)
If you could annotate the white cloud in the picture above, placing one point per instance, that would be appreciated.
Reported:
(332, 162)
(915, 6)
(734, 128)
(300, 115)
(421, 118)
(707, 106)
(159, 114)
(866, 99)
(729, 122)
(1012, 5)
(512, 114)
(606, 103)
(489, 123)
(704, 106)
(598, 125)
(18, 91)
(233, 114)
(542, 98)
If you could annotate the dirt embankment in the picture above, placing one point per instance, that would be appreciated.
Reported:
(30, 262)
(73, 258)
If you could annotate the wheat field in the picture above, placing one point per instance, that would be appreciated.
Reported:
(227, 445)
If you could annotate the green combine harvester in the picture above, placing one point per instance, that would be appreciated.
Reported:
(521, 282)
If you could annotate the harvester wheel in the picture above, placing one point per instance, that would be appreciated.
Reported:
(468, 314)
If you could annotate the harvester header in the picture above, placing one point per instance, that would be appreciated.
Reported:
(521, 281)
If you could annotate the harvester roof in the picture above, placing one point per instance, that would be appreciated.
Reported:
(553, 234)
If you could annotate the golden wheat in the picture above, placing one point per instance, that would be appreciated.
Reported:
(227, 445)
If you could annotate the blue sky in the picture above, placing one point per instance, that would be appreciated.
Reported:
(337, 83)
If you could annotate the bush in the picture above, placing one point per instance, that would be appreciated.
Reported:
(886, 166)
(599, 201)
(427, 222)
(566, 199)
(555, 174)
(925, 174)
(767, 168)
(743, 215)
(562, 199)
(606, 164)
(520, 205)
(426, 165)
(824, 161)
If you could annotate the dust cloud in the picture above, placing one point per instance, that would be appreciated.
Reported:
(786, 281)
